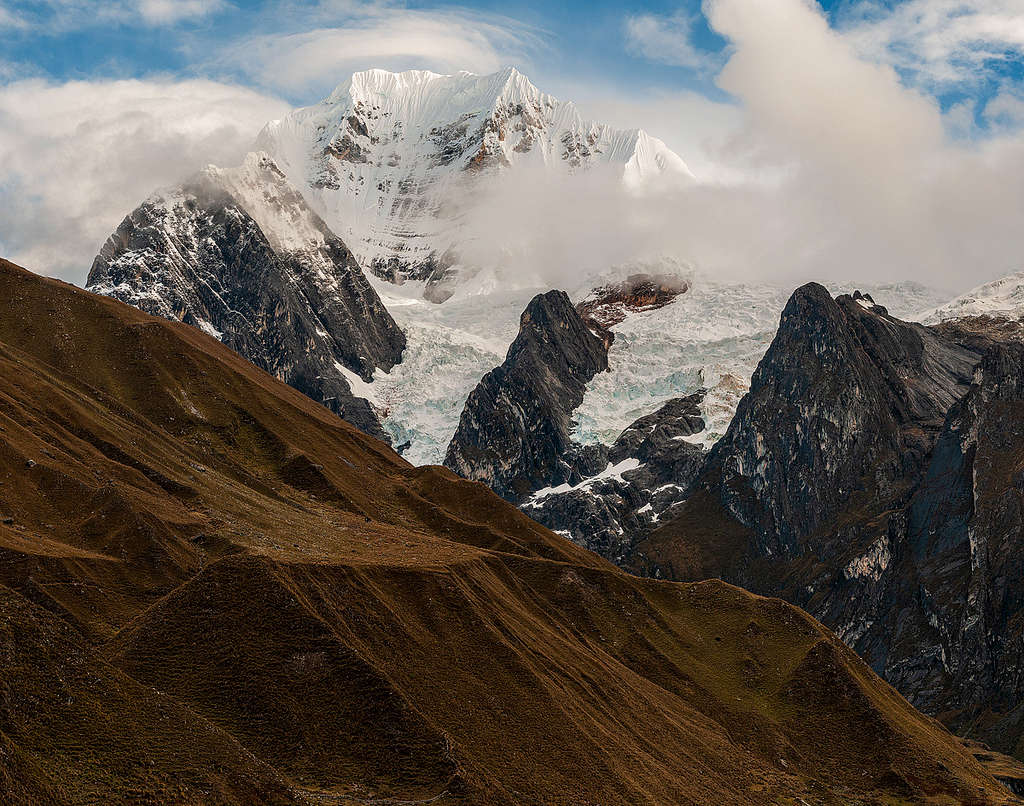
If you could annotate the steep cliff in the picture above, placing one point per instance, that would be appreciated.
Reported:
(515, 430)
(240, 255)
(872, 476)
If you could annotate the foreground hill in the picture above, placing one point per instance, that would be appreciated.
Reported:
(215, 591)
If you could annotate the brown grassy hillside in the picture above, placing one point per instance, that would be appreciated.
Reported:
(214, 591)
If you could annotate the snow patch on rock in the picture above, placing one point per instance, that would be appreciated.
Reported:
(615, 471)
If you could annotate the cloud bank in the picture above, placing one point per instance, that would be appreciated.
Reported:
(77, 157)
(833, 168)
(871, 184)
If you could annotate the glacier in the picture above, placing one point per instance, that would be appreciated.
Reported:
(1000, 298)
(712, 336)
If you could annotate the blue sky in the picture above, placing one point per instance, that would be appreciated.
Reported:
(585, 37)
(567, 41)
(834, 105)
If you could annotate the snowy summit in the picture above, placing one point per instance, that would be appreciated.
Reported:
(387, 157)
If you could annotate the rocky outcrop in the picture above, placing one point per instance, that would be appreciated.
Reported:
(873, 476)
(516, 436)
(654, 437)
(609, 304)
(515, 431)
(650, 466)
(965, 531)
(240, 255)
(845, 404)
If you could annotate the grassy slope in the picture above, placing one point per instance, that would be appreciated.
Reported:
(323, 621)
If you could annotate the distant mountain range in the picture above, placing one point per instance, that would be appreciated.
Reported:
(388, 160)
(852, 450)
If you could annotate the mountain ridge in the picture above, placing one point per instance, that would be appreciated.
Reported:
(240, 255)
(177, 519)
(870, 476)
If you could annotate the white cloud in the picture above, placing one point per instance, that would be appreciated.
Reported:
(1005, 111)
(314, 61)
(56, 16)
(828, 167)
(75, 158)
(939, 44)
(871, 185)
(165, 12)
(9, 20)
(665, 39)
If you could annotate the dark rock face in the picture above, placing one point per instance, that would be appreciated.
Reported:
(653, 438)
(846, 403)
(608, 513)
(305, 313)
(514, 433)
(966, 537)
(515, 436)
(874, 475)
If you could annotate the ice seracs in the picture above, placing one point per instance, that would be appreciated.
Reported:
(390, 160)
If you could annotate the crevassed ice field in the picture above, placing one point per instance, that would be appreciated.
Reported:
(712, 337)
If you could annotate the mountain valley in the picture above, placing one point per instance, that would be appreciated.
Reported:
(303, 485)
(216, 591)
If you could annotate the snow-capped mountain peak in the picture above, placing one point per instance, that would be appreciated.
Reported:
(264, 191)
(1002, 298)
(390, 159)
(424, 96)
(239, 254)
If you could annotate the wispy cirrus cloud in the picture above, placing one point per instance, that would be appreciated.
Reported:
(164, 12)
(9, 20)
(667, 39)
(350, 37)
(57, 16)
(939, 45)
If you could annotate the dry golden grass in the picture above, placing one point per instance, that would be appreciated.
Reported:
(215, 591)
